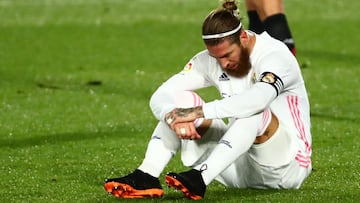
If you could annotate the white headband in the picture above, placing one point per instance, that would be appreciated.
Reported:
(224, 34)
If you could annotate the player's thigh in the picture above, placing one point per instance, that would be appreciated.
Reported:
(266, 8)
(250, 5)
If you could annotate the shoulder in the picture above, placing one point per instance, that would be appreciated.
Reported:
(203, 60)
(203, 55)
(204, 64)
(267, 45)
(272, 61)
(269, 52)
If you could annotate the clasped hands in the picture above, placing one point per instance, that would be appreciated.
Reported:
(181, 120)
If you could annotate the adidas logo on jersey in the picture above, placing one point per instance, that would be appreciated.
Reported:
(223, 77)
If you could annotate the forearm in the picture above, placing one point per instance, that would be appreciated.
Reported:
(181, 115)
(242, 105)
(194, 112)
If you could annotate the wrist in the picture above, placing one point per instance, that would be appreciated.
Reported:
(198, 112)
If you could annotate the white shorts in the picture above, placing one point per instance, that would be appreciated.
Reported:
(263, 166)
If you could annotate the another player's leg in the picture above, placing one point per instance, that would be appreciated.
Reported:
(272, 14)
(278, 27)
(255, 23)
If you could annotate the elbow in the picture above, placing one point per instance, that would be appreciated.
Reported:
(152, 102)
(160, 103)
(261, 105)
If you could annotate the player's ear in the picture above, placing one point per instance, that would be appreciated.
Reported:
(244, 38)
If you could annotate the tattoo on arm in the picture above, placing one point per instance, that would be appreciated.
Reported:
(199, 112)
(182, 112)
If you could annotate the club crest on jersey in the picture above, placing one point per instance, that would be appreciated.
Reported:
(188, 68)
(268, 78)
(273, 80)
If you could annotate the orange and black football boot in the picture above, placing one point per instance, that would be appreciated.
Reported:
(190, 183)
(135, 185)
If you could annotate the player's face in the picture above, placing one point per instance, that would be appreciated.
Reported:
(233, 58)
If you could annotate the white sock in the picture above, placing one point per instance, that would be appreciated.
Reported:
(236, 141)
(161, 148)
(194, 152)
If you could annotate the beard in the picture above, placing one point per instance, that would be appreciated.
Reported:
(244, 65)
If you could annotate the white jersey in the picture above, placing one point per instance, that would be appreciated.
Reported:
(274, 82)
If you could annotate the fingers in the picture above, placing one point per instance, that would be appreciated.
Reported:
(186, 131)
(182, 122)
(169, 119)
(180, 115)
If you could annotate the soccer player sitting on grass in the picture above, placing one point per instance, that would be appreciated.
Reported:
(267, 141)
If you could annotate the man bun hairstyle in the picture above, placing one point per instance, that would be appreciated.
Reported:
(222, 23)
(231, 6)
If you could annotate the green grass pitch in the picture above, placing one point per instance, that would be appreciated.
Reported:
(76, 77)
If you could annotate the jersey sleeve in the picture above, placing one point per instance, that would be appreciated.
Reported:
(191, 78)
(249, 102)
(273, 77)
